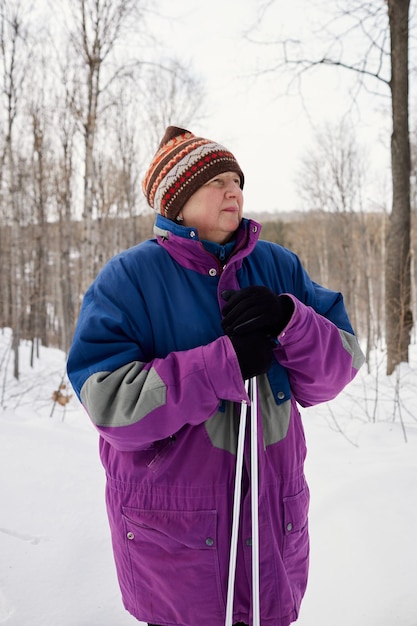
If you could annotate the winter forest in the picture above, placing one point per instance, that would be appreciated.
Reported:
(79, 113)
(85, 98)
(87, 89)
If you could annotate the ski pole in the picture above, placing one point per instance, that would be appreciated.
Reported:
(254, 502)
(236, 510)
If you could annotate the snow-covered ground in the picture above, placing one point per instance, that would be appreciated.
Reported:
(56, 565)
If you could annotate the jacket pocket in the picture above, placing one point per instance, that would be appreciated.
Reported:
(296, 542)
(174, 565)
(160, 451)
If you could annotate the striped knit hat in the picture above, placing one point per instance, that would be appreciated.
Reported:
(181, 165)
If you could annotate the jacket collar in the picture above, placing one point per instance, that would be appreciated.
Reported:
(184, 245)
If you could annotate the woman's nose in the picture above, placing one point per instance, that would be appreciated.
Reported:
(232, 189)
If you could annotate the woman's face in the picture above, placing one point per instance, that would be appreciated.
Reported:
(215, 209)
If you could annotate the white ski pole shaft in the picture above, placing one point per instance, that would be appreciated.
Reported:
(254, 503)
(236, 511)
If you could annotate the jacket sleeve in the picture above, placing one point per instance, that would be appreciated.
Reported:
(321, 356)
(134, 399)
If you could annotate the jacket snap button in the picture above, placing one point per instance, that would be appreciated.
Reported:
(130, 535)
(212, 272)
(192, 234)
(209, 541)
(289, 527)
(249, 542)
(280, 395)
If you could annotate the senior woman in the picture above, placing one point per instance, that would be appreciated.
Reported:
(167, 334)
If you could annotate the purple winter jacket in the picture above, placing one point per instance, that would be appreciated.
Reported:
(162, 384)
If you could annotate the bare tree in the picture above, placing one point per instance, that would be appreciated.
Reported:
(73, 142)
(399, 318)
(97, 28)
(14, 70)
(64, 196)
(331, 180)
(379, 55)
(172, 96)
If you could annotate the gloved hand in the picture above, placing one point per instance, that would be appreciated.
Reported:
(254, 353)
(256, 309)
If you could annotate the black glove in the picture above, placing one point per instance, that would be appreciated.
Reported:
(254, 353)
(256, 309)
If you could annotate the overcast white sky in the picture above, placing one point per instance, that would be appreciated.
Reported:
(266, 128)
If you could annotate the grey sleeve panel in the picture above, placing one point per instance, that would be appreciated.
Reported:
(350, 343)
(123, 397)
(223, 426)
(275, 417)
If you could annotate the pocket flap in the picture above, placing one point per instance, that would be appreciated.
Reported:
(194, 529)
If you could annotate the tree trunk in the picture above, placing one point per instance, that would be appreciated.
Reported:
(89, 219)
(397, 271)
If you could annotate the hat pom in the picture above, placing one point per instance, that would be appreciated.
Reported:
(170, 133)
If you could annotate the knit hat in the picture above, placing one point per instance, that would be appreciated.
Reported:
(181, 165)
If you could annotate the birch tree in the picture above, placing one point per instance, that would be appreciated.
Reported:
(97, 28)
